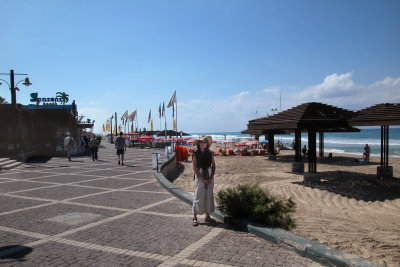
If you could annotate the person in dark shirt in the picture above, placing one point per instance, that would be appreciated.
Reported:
(120, 145)
(204, 169)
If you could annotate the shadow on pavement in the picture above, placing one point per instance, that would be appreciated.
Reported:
(38, 159)
(16, 252)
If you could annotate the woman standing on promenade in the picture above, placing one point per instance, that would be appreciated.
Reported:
(204, 169)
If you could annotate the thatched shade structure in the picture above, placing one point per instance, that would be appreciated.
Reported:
(308, 117)
(382, 115)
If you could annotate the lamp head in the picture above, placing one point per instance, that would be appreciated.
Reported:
(27, 82)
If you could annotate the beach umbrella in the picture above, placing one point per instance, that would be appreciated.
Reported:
(191, 140)
(242, 143)
(253, 143)
(146, 138)
(225, 142)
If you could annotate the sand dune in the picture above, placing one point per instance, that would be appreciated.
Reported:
(349, 209)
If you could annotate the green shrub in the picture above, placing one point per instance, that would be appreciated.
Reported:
(258, 205)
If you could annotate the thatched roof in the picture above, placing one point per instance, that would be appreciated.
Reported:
(317, 116)
(378, 115)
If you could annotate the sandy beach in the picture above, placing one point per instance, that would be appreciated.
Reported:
(349, 209)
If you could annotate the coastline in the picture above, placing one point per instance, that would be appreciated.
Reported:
(349, 209)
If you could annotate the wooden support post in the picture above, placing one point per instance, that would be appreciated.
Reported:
(321, 144)
(312, 150)
(297, 145)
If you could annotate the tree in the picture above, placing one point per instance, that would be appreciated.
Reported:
(3, 100)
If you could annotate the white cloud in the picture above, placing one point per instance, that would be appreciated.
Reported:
(333, 86)
(342, 91)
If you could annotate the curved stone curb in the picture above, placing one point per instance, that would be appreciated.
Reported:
(303, 246)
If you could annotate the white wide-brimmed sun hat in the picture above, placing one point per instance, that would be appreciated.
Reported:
(207, 138)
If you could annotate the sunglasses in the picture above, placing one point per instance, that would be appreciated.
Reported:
(203, 142)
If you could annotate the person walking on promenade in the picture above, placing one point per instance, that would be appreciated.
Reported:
(94, 147)
(69, 144)
(120, 145)
(204, 169)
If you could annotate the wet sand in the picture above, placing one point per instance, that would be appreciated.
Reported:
(349, 209)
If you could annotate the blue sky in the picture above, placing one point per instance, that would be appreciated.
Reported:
(228, 60)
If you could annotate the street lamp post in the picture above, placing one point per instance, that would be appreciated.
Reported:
(13, 88)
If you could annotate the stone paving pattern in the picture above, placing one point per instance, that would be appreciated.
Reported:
(85, 213)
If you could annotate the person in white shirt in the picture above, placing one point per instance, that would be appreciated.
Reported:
(69, 144)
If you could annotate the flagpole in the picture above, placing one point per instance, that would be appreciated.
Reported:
(159, 114)
(116, 124)
(165, 118)
(176, 120)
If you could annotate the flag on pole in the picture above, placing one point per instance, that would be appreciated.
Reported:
(119, 128)
(172, 101)
(104, 128)
(133, 115)
(149, 116)
(159, 111)
(130, 117)
(152, 125)
(124, 115)
(163, 109)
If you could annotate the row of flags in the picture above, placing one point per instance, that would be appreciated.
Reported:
(107, 128)
(126, 117)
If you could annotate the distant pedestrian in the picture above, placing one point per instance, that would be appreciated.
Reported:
(120, 145)
(304, 150)
(69, 144)
(82, 144)
(367, 152)
(94, 147)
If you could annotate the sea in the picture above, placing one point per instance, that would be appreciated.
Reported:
(349, 143)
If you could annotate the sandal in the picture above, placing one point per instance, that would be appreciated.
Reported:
(195, 223)
(210, 220)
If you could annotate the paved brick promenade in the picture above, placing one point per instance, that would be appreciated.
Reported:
(84, 213)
